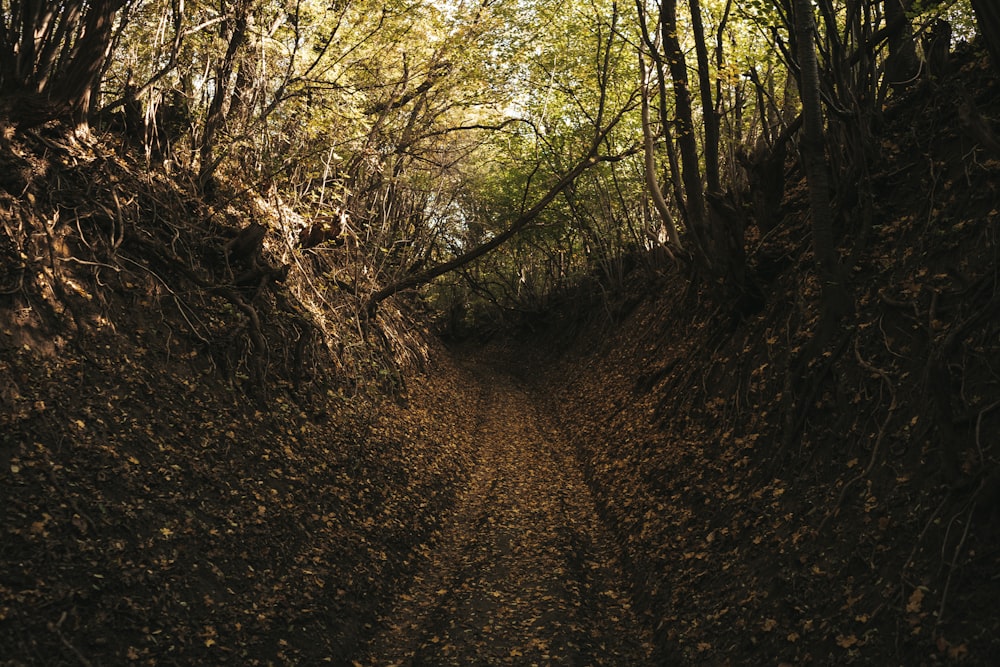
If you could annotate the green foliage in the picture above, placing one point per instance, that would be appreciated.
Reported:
(434, 123)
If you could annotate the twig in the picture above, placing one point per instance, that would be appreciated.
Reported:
(69, 499)
(979, 423)
(885, 338)
(892, 403)
(954, 560)
(798, 413)
(835, 509)
(117, 238)
(180, 304)
(77, 260)
(56, 628)
(920, 537)
(18, 283)
(913, 551)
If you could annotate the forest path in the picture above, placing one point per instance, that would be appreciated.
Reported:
(523, 571)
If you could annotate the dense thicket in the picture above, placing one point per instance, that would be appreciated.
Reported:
(581, 135)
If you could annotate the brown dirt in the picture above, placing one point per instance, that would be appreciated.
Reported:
(523, 571)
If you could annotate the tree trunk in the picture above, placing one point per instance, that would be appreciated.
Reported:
(726, 222)
(673, 175)
(835, 299)
(902, 64)
(652, 184)
(710, 119)
(988, 18)
(235, 32)
(78, 84)
(694, 200)
(50, 64)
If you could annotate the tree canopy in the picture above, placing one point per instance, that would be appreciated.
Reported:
(581, 135)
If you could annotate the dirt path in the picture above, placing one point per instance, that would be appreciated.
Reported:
(523, 572)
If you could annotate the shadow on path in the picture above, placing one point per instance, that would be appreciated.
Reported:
(522, 571)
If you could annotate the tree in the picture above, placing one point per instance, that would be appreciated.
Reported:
(52, 56)
(835, 298)
(715, 226)
(902, 65)
(988, 17)
(596, 119)
(592, 158)
(233, 32)
(649, 161)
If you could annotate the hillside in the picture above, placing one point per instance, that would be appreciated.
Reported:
(205, 458)
(781, 507)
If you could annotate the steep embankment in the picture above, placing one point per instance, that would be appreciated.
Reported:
(195, 465)
(775, 507)
(152, 514)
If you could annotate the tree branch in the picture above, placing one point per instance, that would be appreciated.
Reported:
(424, 277)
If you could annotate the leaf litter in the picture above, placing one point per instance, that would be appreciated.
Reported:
(522, 571)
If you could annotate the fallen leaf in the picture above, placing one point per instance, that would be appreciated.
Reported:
(913, 605)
